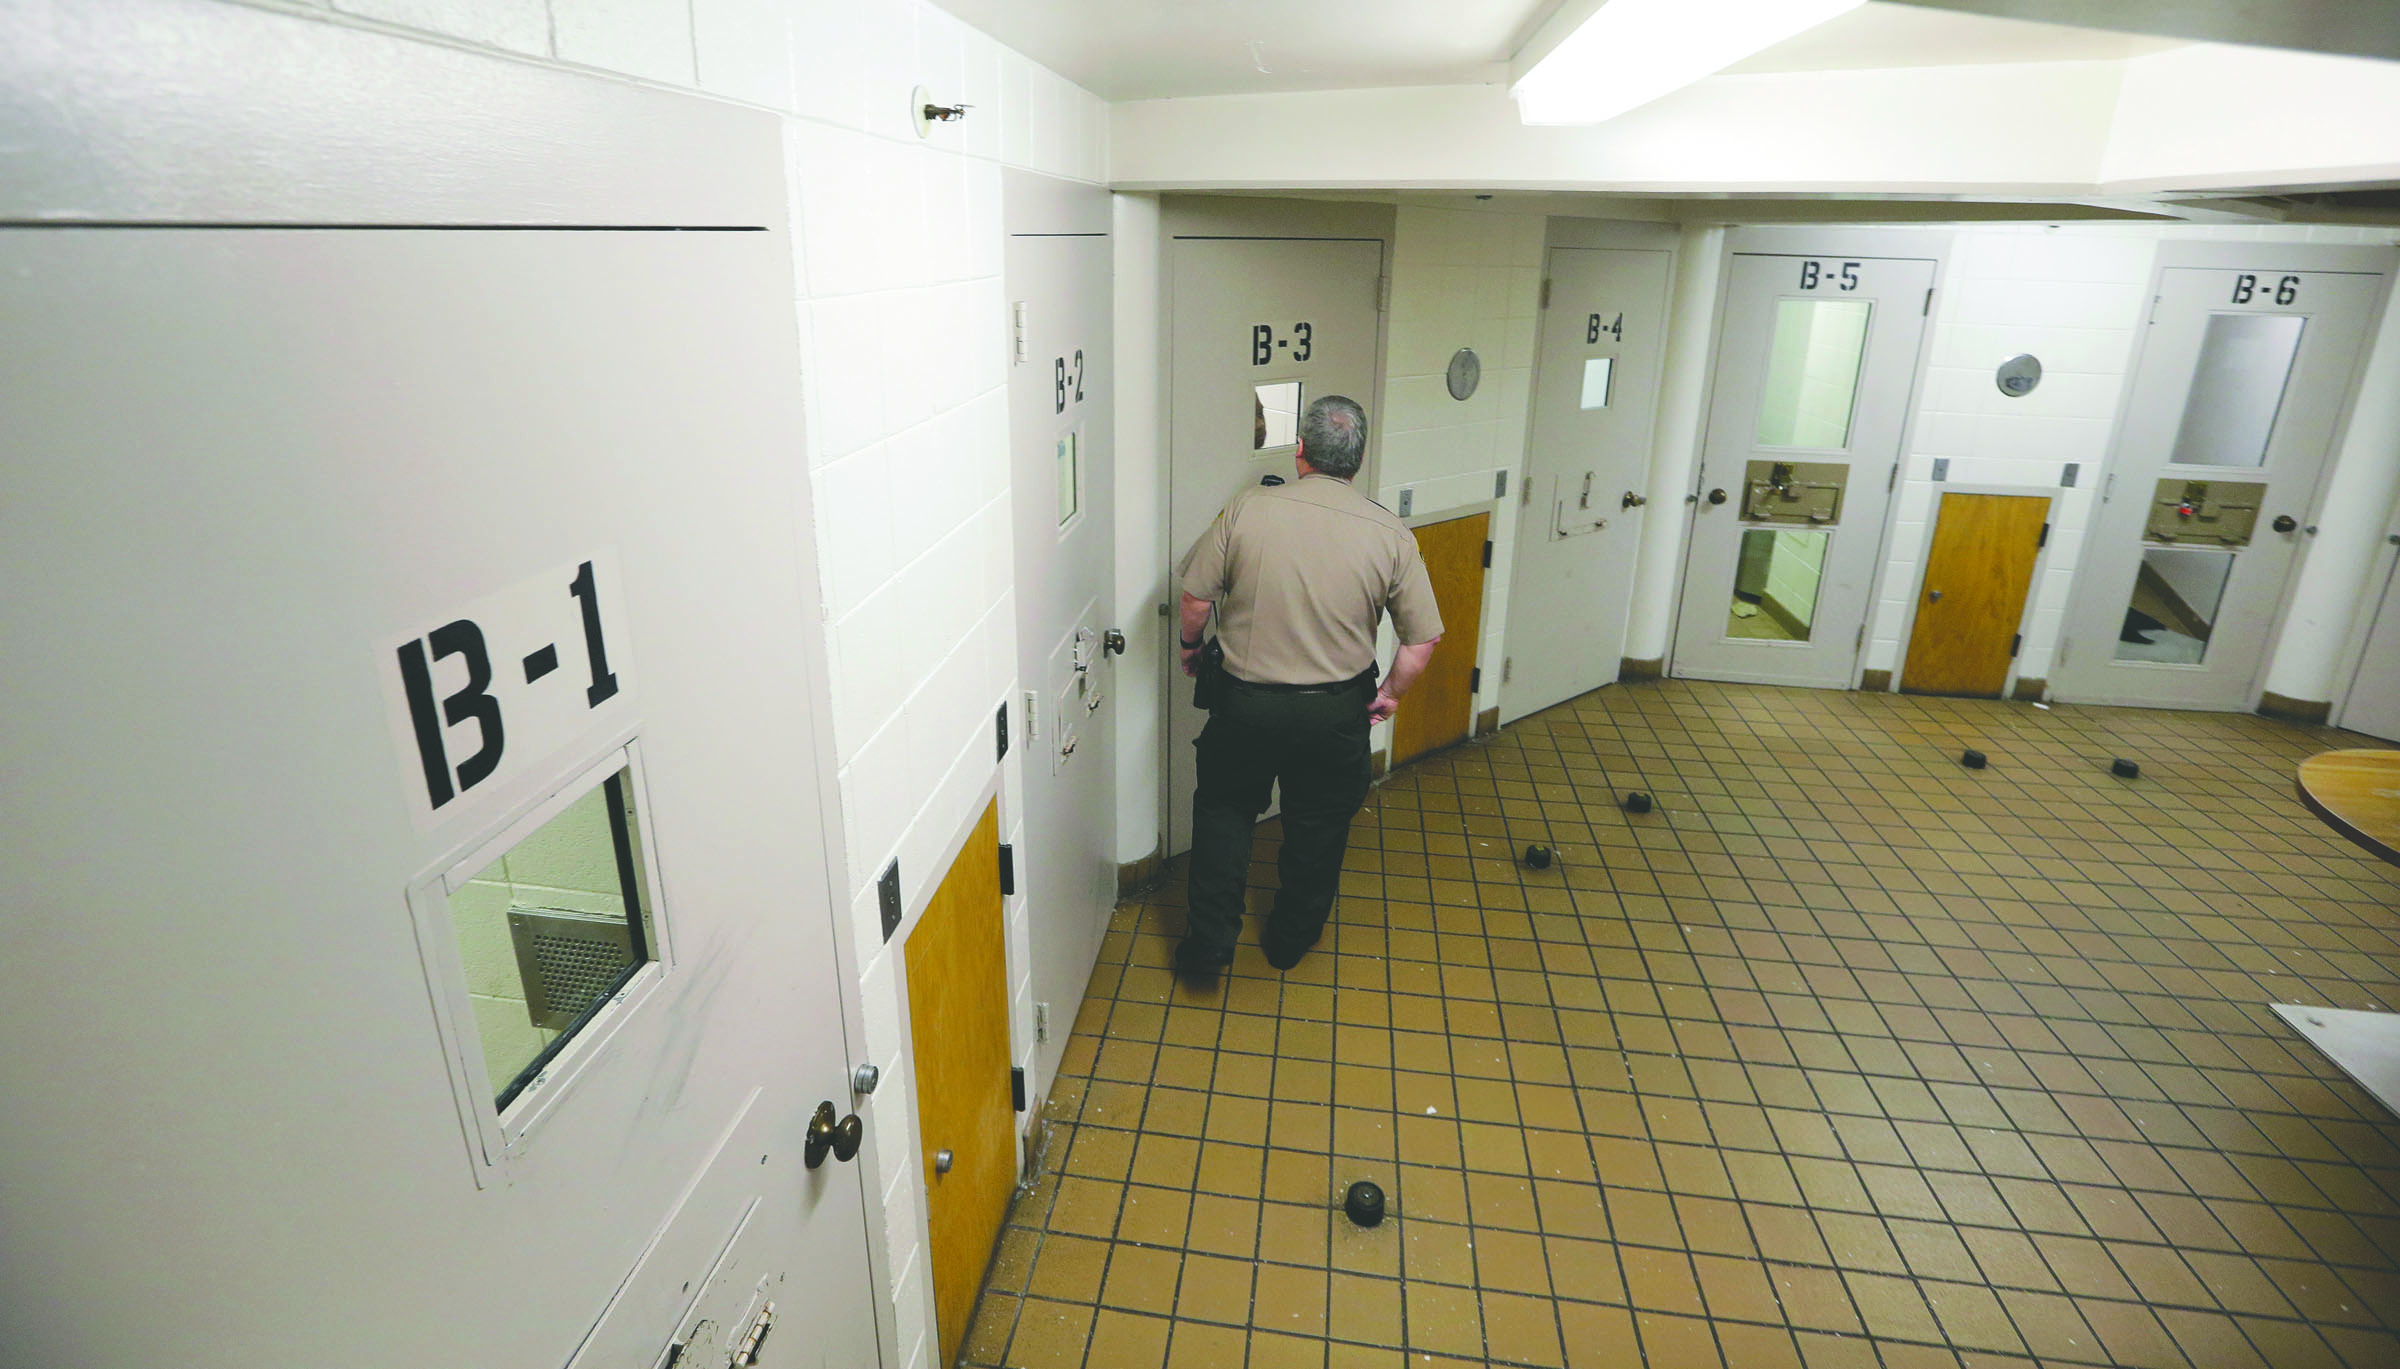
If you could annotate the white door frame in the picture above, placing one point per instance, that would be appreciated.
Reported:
(324, 124)
(2033, 588)
(2301, 258)
(1835, 240)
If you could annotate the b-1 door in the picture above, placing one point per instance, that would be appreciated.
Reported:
(2235, 402)
(416, 804)
(1060, 417)
(1263, 327)
(1815, 363)
(1594, 401)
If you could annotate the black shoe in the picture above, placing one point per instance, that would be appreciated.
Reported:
(1198, 966)
(1282, 954)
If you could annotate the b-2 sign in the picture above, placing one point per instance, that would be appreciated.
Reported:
(521, 673)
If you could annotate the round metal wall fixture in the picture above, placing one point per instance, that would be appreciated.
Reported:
(918, 102)
(2018, 375)
(1466, 372)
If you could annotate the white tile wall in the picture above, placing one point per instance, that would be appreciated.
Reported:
(898, 254)
(1461, 278)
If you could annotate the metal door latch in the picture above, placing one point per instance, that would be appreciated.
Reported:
(1632, 501)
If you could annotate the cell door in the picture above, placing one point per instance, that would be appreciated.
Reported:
(415, 803)
(2232, 411)
(1262, 327)
(1815, 362)
(1060, 436)
(1594, 401)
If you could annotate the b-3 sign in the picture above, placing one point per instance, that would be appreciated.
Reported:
(517, 675)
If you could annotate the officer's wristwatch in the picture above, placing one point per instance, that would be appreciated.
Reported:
(1191, 646)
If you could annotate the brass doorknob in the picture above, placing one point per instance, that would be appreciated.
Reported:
(826, 1134)
(1716, 496)
(1632, 501)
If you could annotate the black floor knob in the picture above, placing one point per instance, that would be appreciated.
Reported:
(1637, 802)
(1973, 760)
(1539, 858)
(2124, 769)
(1364, 1203)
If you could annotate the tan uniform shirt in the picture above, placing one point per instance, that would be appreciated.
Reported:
(1301, 574)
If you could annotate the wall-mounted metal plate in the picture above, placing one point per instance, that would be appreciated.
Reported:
(2018, 375)
(568, 961)
(1466, 372)
(1804, 492)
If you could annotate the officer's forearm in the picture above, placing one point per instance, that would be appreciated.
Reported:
(1407, 665)
(1195, 617)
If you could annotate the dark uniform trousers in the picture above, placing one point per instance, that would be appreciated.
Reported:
(1314, 741)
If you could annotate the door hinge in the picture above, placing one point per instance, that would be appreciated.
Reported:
(1487, 553)
(2058, 658)
(1927, 311)
(1891, 478)
(1016, 1086)
(1859, 642)
(2154, 299)
(2014, 643)
(1475, 680)
(1008, 869)
(2042, 539)
(1383, 294)
(1545, 292)
(2108, 487)
(1508, 667)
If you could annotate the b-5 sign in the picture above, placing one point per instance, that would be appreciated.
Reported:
(506, 683)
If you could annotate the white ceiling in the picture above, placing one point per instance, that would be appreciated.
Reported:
(1157, 49)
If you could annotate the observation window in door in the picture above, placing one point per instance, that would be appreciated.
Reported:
(551, 930)
(1775, 582)
(1813, 365)
(1070, 478)
(1597, 375)
(2237, 389)
(1276, 410)
(2173, 609)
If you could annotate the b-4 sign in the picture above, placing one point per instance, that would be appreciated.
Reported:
(484, 693)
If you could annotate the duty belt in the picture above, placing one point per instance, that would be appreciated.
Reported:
(1364, 677)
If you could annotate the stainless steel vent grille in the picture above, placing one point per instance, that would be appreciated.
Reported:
(568, 961)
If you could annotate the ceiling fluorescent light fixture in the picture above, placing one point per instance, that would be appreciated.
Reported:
(1630, 52)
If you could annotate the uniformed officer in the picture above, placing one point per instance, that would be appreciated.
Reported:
(1298, 576)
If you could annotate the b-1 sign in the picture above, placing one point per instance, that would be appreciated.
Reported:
(518, 675)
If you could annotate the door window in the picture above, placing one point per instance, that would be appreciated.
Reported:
(551, 930)
(1597, 374)
(2237, 389)
(1277, 414)
(2174, 605)
(1813, 365)
(1070, 478)
(1775, 584)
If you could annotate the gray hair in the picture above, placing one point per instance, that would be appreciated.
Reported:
(1333, 436)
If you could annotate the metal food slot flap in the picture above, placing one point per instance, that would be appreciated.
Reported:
(1803, 492)
(2219, 512)
(1574, 515)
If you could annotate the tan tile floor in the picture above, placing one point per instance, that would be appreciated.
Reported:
(1845, 1056)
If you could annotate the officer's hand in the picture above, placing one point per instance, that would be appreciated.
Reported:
(1382, 708)
(1191, 660)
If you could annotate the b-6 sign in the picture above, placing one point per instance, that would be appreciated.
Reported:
(509, 681)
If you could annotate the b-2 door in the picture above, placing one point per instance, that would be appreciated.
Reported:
(1059, 274)
(1815, 362)
(2235, 402)
(1579, 531)
(1262, 328)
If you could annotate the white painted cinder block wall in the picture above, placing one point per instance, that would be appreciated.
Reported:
(1461, 278)
(902, 322)
(2075, 296)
